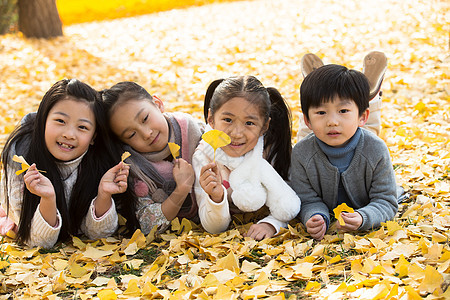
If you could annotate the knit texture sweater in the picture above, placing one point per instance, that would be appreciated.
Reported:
(186, 132)
(369, 180)
(340, 157)
(254, 184)
(42, 234)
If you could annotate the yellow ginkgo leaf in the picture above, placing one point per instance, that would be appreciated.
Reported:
(107, 295)
(125, 155)
(339, 209)
(24, 164)
(132, 289)
(174, 149)
(216, 139)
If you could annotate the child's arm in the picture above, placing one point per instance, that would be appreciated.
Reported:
(183, 174)
(214, 216)
(211, 182)
(282, 201)
(42, 234)
(41, 186)
(312, 203)
(113, 182)
(159, 212)
(102, 220)
(46, 221)
(382, 204)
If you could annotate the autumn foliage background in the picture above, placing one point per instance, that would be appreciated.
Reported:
(175, 54)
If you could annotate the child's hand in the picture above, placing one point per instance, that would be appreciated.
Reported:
(183, 173)
(211, 182)
(352, 221)
(261, 231)
(115, 180)
(38, 184)
(316, 227)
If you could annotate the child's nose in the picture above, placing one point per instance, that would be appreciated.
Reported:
(147, 133)
(236, 131)
(332, 120)
(69, 133)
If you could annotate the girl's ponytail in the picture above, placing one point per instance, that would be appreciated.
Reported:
(277, 141)
(209, 93)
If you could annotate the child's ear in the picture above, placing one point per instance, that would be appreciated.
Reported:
(158, 102)
(93, 139)
(210, 118)
(364, 117)
(307, 123)
(265, 127)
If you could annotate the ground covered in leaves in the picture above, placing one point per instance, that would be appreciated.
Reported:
(176, 54)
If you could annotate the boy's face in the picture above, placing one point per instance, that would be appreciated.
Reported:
(335, 122)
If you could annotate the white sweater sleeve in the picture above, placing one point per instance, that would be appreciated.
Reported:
(43, 234)
(215, 217)
(105, 226)
(15, 187)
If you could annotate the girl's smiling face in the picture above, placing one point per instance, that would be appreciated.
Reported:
(242, 121)
(141, 124)
(69, 129)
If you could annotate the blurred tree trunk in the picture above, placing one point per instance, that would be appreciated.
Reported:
(39, 18)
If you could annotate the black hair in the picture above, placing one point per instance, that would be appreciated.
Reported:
(277, 139)
(141, 168)
(330, 81)
(28, 140)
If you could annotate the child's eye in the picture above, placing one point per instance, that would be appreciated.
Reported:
(145, 119)
(82, 127)
(249, 123)
(228, 120)
(131, 135)
(59, 121)
(320, 112)
(343, 111)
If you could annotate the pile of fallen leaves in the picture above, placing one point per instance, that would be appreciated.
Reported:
(79, 11)
(176, 54)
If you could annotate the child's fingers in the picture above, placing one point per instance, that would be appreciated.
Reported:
(208, 174)
(32, 170)
(209, 166)
(30, 177)
(120, 178)
(317, 232)
(210, 181)
(123, 172)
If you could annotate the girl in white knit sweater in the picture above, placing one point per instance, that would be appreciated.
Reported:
(73, 193)
(240, 179)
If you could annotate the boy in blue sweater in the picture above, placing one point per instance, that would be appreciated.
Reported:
(340, 162)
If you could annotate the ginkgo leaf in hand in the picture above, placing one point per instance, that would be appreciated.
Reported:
(174, 149)
(216, 139)
(125, 155)
(339, 209)
(24, 164)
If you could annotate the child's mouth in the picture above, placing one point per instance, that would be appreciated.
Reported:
(333, 133)
(155, 139)
(236, 145)
(65, 146)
